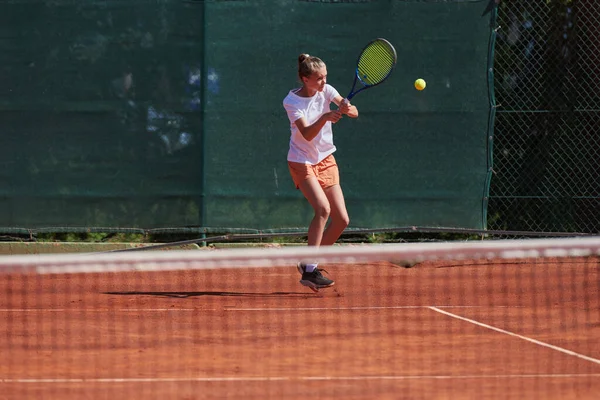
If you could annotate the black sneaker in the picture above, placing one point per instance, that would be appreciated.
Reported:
(314, 280)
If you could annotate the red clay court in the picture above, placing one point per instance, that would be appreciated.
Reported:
(440, 330)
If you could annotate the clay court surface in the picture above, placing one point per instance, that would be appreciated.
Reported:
(448, 330)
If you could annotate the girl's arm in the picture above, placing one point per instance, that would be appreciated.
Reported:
(311, 131)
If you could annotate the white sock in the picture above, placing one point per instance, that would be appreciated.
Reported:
(310, 267)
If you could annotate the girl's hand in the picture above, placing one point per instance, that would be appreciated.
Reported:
(333, 116)
(345, 106)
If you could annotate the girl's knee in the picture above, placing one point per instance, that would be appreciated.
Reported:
(345, 220)
(341, 220)
(323, 211)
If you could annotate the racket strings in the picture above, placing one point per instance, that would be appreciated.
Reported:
(376, 62)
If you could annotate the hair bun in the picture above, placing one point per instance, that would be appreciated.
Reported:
(303, 57)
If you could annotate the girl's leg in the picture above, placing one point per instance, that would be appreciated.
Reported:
(319, 201)
(339, 215)
(311, 276)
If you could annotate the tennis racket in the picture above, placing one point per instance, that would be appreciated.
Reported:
(375, 64)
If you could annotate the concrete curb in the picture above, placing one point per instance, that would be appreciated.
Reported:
(14, 248)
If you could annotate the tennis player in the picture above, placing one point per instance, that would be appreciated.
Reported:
(310, 158)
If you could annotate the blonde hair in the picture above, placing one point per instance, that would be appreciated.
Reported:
(308, 64)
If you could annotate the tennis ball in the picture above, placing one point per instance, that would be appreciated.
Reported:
(420, 84)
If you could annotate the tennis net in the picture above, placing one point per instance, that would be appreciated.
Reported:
(497, 319)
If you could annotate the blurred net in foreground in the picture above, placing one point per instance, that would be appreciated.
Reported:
(491, 319)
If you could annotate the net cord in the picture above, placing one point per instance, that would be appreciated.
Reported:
(269, 257)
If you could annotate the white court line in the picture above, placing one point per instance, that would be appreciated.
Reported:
(84, 310)
(292, 378)
(225, 308)
(569, 352)
(355, 308)
(302, 309)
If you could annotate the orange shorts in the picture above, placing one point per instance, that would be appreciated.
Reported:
(326, 172)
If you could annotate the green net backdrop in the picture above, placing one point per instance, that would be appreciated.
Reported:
(150, 114)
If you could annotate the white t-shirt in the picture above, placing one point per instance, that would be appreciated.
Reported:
(311, 108)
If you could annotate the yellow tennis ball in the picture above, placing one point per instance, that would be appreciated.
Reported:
(420, 84)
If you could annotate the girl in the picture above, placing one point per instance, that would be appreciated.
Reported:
(310, 158)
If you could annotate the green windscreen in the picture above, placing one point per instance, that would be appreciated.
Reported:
(168, 114)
